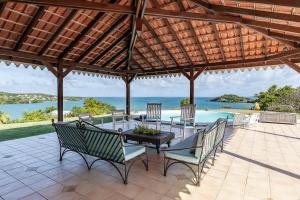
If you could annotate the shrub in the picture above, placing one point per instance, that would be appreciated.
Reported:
(36, 115)
(4, 117)
(50, 109)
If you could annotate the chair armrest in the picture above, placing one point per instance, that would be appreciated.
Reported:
(172, 117)
(180, 149)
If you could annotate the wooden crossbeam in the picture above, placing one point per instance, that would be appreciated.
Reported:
(115, 43)
(196, 38)
(58, 31)
(102, 38)
(292, 65)
(33, 22)
(289, 3)
(151, 51)
(174, 34)
(160, 42)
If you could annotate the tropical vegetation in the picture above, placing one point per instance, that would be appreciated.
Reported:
(280, 99)
(232, 98)
(4, 117)
(184, 101)
(26, 98)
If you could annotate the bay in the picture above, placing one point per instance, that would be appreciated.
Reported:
(137, 104)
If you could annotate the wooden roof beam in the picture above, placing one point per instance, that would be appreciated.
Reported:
(241, 42)
(152, 52)
(58, 31)
(116, 66)
(33, 22)
(289, 3)
(160, 42)
(292, 65)
(115, 43)
(94, 44)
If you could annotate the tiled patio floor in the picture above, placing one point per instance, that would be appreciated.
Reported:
(261, 162)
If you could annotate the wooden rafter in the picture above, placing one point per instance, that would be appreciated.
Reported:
(116, 66)
(196, 38)
(138, 65)
(33, 22)
(241, 42)
(115, 43)
(289, 3)
(101, 38)
(217, 36)
(152, 52)
(114, 57)
(174, 34)
(82, 34)
(144, 58)
(58, 31)
(160, 42)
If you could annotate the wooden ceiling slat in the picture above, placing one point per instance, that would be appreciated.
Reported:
(241, 42)
(217, 35)
(289, 3)
(98, 57)
(33, 22)
(82, 34)
(191, 28)
(102, 38)
(160, 42)
(59, 30)
(152, 52)
(144, 58)
(114, 57)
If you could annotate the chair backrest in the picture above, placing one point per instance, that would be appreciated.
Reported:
(188, 112)
(117, 112)
(104, 144)
(87, 117)
(220, 130)
(153, 111)
(86, 138)
(70, 136)
(239, 119)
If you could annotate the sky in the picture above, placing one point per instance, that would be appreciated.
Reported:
(247, 83)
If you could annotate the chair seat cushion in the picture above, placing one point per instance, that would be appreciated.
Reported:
(133, 151)
(183, 155)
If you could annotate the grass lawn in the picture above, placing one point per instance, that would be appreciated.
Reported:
(21, 132)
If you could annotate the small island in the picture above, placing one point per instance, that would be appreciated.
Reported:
(27, 98)
(232, 98)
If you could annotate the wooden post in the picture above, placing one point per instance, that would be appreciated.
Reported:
(127, 97)
(60, 93)
(192, 89)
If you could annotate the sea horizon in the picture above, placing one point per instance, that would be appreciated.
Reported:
(137, 104)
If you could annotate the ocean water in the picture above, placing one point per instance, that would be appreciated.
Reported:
(137, 104)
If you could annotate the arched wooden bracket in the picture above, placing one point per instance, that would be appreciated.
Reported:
(193, 75)
(289, 63)
(55, 69)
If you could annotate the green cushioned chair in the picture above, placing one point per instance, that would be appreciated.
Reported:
(196, 149)
(108, 145)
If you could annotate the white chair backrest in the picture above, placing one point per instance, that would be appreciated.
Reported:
(240, 119)
(117, 112)
(254, 118)
(153, 111)
(188, 112)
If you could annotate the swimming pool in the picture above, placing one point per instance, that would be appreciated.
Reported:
(201, 115)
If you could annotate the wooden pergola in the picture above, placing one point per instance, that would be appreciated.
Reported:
(140, 38)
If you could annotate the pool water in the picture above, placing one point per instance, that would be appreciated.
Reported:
(201, 115)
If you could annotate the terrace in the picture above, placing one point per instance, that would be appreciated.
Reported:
(261, 162)
(137, 39)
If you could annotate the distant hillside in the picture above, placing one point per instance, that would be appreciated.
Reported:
(25, 98)
(231, 98)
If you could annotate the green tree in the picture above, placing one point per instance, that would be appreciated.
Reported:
(36, 115)
(184, 101)
(95, 107)
(4, 117)
(50, 109)
(272, 96)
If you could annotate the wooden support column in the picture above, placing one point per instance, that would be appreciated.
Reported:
(60, 94)
(192, 76)
(192, 91)
(128, 79)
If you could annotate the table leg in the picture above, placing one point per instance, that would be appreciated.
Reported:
(157, 148)
(168, 143)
